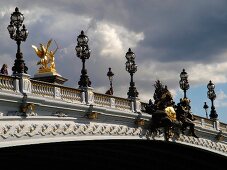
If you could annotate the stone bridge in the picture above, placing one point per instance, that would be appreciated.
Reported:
(35, 112)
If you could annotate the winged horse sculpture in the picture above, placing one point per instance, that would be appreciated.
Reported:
(45, 56)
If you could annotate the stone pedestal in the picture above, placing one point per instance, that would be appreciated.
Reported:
(50, 78)
(25, 85)
(88, 95)
(135, 104)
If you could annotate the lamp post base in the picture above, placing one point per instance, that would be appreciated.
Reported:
(84, 81)
(19, 65)
(213, 114)
(132, 93)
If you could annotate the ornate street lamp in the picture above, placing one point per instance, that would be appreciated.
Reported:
(83, 52)
(131, 67)
(212, 96)
(205, 106)
(184, 85)
(110, 75)
(19, 33)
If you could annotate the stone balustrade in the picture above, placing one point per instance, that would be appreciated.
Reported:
(83, 97)
(42, 89)
(70, 94)
(121, 103)
(102, 100)
(7, 83)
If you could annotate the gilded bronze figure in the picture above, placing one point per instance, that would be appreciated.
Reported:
(47, 58)
(168, 116)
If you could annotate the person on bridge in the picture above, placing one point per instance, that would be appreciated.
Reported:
(4, 69)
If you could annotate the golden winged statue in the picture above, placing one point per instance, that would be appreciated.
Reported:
(47, 58)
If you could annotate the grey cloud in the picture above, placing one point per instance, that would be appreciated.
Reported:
(176, 30)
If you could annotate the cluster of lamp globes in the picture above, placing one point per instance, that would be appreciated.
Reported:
(16, 32)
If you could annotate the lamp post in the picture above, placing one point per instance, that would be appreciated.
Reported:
(205, 106)
(19, 33)
(110, 75)
(83, 52)
(212, 96)
(184, 85)
(131, 67)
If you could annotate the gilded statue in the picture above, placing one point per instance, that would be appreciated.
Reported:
(47, 58)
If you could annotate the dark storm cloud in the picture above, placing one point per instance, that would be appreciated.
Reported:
(174, 30)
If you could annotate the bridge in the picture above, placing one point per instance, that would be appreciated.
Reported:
(37, 113)
(42, 121)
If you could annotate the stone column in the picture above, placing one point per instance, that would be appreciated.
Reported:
(135, 104)
(25, 85)
(112, 102)
(88, 94)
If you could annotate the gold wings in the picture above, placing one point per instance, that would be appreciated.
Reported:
(39, 52)
(43, 50)
(48, 44)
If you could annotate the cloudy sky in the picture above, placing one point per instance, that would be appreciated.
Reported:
(166, 37)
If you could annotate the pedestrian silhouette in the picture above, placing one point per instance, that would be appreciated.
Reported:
(4, 69)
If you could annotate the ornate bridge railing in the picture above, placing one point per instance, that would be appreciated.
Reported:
(68, 94)
(8, 83)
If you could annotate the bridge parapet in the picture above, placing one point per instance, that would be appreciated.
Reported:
(48, 93)
(43, 89)
(9, 83)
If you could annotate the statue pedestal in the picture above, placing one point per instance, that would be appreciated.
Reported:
(50, 78)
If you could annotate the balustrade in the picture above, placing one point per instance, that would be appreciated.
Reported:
(69, 94)
(123, 104)
(101, 99)
(7, 83)
(42, 89)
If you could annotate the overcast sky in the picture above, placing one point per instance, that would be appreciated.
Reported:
(166, 37)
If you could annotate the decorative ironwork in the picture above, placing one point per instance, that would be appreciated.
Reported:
(212, 96)
(83, 52)
(184, 85)
(110, 75)
(165, 114)
(18, 32)
(131, 67)
(205, 106)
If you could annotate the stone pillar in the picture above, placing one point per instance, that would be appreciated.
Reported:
(132, 106)
(25, 85)
(135, 105)
(83, 100)
(216, 124)
(112, 102)
(16, 85)
(57, 93)
(202, 123)
(89, 95)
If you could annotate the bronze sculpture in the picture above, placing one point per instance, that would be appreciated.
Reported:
(47, 58)
(166, 115)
